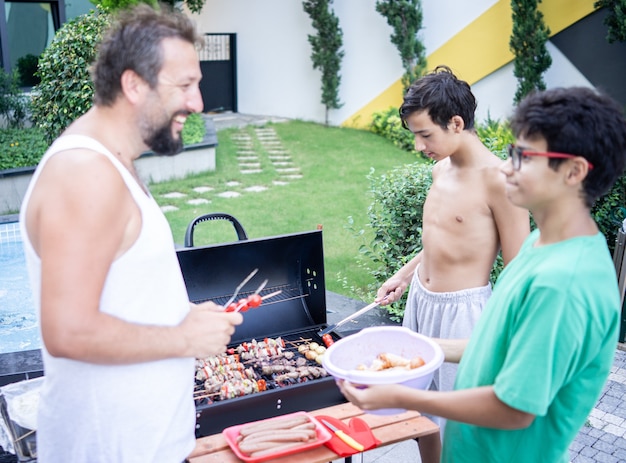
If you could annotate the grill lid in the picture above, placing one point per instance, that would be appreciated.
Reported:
(292, 263)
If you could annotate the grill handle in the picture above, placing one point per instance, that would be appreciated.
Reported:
(241, 233)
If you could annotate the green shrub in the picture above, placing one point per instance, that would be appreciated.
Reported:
(13, 104)
(66, 91)
(27, 70)
(194, 129)
(395, 217)
(21, 147)
(388, 124)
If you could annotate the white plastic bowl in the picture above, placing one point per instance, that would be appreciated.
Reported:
(342, 358)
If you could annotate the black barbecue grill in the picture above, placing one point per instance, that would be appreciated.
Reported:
(293, 264)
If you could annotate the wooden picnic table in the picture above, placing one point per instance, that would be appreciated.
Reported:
(389, 429)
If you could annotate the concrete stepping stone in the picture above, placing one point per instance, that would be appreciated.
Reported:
(292, 177)
(203, 189)
(256, 188)
(250, 165)
(233, 183)
(247, 158)
(229, 194)
(168, 208)
(287, 170)
(280, 183)
(174, 194)
(282, 163)
(198, 201)
(250, 171)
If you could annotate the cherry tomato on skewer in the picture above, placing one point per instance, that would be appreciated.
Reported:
(328, 340)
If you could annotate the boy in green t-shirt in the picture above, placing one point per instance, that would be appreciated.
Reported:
(540, 354)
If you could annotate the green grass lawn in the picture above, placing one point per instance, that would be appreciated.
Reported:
(333, 162)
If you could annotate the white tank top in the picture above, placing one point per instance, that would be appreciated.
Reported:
(120, 413)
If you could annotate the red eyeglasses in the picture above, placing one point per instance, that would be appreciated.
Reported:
(516, 153)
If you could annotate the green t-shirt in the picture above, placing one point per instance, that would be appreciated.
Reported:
(546, 341)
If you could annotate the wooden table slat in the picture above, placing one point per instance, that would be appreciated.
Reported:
(389, 429)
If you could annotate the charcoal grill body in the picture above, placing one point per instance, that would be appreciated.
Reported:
(293, 264)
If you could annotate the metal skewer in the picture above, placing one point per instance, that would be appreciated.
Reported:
(241, 285)
(358, 313)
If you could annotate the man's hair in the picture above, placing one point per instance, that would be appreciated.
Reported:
(443, 95)
(133, 43)
(579, 121)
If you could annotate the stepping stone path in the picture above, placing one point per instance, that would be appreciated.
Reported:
(262, 147)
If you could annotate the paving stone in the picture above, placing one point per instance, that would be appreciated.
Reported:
(203, 189)
(583, 459)
(286, 170)
(614, 429)
(292, 177)
(256, 188)
(229, 194)
(198, 201)
(250, 171)
(247, 158)
(279, 183)
(168, 208)
(174, 194)
(233, 183)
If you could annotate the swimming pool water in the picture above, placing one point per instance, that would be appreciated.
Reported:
(19, 329)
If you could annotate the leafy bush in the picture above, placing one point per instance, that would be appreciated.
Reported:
(27, 70)
(194, 129)
(13, 104)
(388, 124)
(21, 147)
(395, 216)
(66, 91)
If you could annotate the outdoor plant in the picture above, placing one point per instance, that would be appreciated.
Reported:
(194, 129)
(528, 44)
(326, 52)
(27, 68)
(405, 16)
(615, 20)
(66, 91)
(21, 148)
(388, 124)
(13, 105)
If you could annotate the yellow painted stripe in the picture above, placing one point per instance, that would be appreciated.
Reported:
(479, 49)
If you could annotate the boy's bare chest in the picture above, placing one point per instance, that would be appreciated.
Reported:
(454, 200)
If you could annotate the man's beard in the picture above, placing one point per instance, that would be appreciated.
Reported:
(163, 143)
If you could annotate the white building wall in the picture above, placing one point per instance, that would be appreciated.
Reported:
(275, 76)
(274, 71)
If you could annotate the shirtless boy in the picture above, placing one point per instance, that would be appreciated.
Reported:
(467, 220)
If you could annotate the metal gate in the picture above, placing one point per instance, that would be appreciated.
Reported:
(218, 63)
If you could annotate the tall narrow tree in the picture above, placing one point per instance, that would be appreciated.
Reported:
(405, 16)
(615, 20)
(528, 44)
(326, 54)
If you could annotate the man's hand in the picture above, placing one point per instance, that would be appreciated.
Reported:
(207, 329)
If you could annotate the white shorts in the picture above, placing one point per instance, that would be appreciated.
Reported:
(451, 315)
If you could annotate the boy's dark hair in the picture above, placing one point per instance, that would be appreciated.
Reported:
(443, 95)
(579, 121)
(134, 43)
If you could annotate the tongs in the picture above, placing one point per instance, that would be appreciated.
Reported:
(253, 300)
(358, 313)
